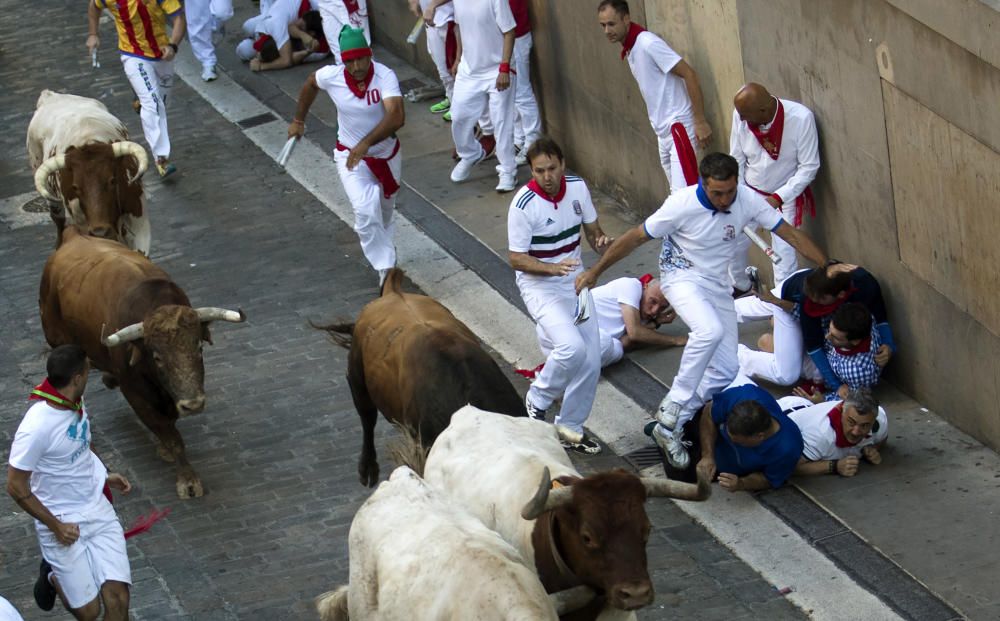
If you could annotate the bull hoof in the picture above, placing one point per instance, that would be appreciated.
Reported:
(110, 381)
(166, 455)
(189, 487)
(369, 474)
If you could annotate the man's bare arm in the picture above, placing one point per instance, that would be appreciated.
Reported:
(621, 248)
(801, 242)
(639, 334)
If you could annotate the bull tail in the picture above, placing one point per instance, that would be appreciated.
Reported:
(339, 333)
(407, 450)
(332, 605)
(393, 282)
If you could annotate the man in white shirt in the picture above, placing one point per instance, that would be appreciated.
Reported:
(668, 85)
(699, 226)
(483, 83)
(543, 230)
(776, 145)
(369, 113)
(339, 13)
(204, 18)
(55, 477)
(836, 435)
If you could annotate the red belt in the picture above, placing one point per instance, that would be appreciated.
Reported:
(802, 201)
(380, 168)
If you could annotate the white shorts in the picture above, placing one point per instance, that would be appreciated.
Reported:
(98, 556)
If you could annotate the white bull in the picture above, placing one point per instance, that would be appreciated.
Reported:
(589, 531)
(84, 164)
(416, 556)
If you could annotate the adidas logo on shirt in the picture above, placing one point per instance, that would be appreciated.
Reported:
(550, 221)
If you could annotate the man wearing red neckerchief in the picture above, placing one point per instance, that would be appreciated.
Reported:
(57, 479)
(775, 142)
(836, 435)
(669, 87)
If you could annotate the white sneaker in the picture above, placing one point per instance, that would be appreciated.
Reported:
(668, 413)
(208, 74)
(381, 277)
(507, 183)
(673, 446)
(521, 158)
(463, 169)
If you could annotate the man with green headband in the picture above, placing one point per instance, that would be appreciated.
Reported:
(369, 113)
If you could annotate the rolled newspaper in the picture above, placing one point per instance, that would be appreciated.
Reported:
(286, 151)
(415, 33)
(760, 243)
(96, 64)
(582, 306)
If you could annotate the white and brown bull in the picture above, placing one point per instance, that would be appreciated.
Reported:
(416, 556)
(138, 327)
(85, 165)
(589, 531)
(412, 360)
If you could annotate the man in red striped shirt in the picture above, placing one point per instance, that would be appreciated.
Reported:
(147, 55)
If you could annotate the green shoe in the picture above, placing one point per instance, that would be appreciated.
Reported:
(447, 116)
(442, 106)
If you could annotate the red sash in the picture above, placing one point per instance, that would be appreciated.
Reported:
(380, 168)
(351, 6)
(685, 153)
(802, 201)
(634, 30)
(530, 373)
(450, 45)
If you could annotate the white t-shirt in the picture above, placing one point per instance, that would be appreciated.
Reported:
(820, 440)
(481, 25)
(54, 445)
(699, 242)
(443, 14)
(608, 299)
(277, 18)
(358, 116)
(667, 99)
(798, 156)
(8, 612)
(549, 232)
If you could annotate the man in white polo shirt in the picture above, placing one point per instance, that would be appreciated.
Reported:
(836, 435)
(699, 226)
(55, 477)
(668, 85)
(543, 229)
(369, 112)
(775, 143)
(483, 83)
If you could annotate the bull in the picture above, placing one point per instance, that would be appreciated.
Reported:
(85, 165)
(414, 555)
(589, 531)
(138, 327)
(412, 360)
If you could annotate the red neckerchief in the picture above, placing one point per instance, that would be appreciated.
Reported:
(862, 347)
(771, 139)
(304, 7)
(352, 6)
(645, 279)
(814, 309)
(537, 189)
(353, 85)
(634, 30)
(836, 415)
(46, 392)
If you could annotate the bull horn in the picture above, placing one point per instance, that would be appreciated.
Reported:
(546, 498)
(136, 151)
(665, 488)
(52, 165)
(209, 313)
(126, 334)
(571, 600)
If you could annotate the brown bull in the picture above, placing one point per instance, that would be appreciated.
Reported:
(84, 165)
(412, 360)
(137, 326)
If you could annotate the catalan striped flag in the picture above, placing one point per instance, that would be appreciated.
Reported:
(141, 24)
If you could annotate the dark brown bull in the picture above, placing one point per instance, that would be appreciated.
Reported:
(137, 326)
(412, 360)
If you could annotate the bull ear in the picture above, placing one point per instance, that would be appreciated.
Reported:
(206, 335)
(134, 354)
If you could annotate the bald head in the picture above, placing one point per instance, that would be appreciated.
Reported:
(754, 104)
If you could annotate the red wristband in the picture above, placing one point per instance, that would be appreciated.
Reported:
(504, 67)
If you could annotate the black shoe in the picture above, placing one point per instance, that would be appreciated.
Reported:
(579, 443)
(45, 593)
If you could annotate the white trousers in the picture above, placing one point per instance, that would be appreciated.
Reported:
(97, 556)
(373, 213)
(203, 18)
(333, 23)
(611, 348)
(472, 98)
(670, 161)
(789, 259)
(709, 361)
(573, 365)
(436, 38)
(784, 366)
(152, 81)
(527, 123)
